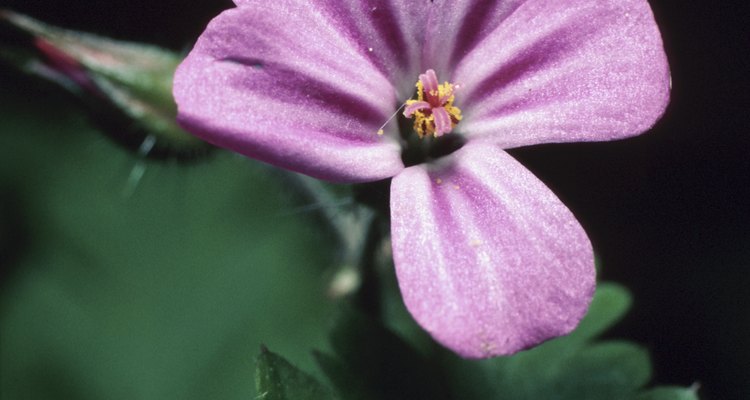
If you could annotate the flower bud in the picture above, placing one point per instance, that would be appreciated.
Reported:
(125, 87)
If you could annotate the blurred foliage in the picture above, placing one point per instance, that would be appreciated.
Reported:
(155, 290)
(372, 363)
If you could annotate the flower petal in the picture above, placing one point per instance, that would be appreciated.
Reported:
(560, 71)
(281, 83)
(389, 32)
(489, 261)
(455, 27)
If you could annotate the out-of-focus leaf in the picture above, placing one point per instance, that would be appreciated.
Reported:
(277, 379)
(371, 362)
(159, 294)
(347, 384)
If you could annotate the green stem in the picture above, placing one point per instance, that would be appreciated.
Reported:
(359, 231)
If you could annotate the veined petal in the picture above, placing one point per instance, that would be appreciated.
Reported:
(390, 33)
(456, 26)
(560, 71)
(489, 261)
(281, 83)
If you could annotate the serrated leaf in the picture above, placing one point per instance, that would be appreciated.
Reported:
(277, 379)
(609, 305)
(669, 393)
(571, 367)
(609, 370)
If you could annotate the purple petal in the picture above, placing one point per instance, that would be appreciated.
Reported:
(559, 71)
(281, 83)
(489, 261)
(455, 27)
(388, 32)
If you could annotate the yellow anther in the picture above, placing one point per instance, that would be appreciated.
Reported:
(424, 120)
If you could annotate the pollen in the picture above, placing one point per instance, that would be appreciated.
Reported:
(433, 110)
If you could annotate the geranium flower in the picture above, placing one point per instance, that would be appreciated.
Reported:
(488, 260)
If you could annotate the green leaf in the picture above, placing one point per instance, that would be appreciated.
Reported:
(277, 379)
(610, 370)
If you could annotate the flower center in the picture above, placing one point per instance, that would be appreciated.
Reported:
(433, 110)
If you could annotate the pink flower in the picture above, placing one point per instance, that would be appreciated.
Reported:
(489, 261)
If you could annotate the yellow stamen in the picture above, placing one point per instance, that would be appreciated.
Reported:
(424, 120)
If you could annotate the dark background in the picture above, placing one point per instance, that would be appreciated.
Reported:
(668, 212)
